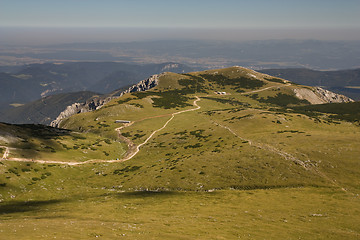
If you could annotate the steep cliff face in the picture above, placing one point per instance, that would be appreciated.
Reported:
(319, 96)
(98, 102)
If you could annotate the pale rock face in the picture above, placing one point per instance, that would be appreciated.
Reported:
(97, 103)
(319, 96)
(309, 95)
(332, 97)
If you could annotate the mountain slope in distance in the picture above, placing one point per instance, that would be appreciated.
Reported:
(45, 110)
(345, 82)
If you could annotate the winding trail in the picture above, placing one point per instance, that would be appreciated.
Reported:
(267, 147)
(164, 126)
(263, 89)
(133, 150)
(287, 156)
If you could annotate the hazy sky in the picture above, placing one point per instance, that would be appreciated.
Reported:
(333, 17)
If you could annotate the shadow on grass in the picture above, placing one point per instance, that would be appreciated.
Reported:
(279, 186)
(143, 194)
(27, 206)
(45, 135)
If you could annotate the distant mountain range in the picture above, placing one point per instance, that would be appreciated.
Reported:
(200, 54)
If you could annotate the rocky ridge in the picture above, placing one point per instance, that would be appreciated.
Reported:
(319, 95)
(331, 97)
(98, 102)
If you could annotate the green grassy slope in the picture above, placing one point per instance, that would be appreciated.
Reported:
(246, 139)
(47, 143)
(248, 164)
(257, 214)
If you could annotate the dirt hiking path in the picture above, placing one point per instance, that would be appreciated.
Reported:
(132, 149)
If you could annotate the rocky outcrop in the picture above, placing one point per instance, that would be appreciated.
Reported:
(143, 85)
(331, 97)
(318, 95)
(309, 95)
(98, 102)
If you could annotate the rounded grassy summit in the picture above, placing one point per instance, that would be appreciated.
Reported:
(228, 150)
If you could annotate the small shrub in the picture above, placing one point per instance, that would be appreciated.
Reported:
(232, 102)
(277, 80)
(237, 83)
(10, 170)
(282, 100)
(137, 105)
(197, 145)
(126, 134)
(340, 111)
(78, 137)
(126, 169)
(136, 136)
(124, 100)
(167, 99)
